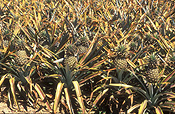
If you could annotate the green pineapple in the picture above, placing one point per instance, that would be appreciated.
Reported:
(21, 57)
(153, 71)
(120, 58)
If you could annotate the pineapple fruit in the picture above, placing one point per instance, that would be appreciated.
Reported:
(21, 57)
(120, 58)
(71, 61)
(70, 56)
(82, 45)
(152, 71)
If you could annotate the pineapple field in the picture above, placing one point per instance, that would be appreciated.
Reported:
(87, 56)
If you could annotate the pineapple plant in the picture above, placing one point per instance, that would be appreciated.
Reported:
(82, 45)
(21, 57)
(120, 56)
(70, 56)
(152, 71)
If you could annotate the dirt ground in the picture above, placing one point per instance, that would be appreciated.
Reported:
(4, 109)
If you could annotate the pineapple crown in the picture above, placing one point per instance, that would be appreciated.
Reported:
(133, 45)
(172, 58)
(82, 41)
(19, 44)
(71, 50)
(152, 58)
(152, 61)
(122, 51)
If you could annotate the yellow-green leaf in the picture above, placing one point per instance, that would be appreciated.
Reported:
(131, 63)
(142, 107)
(133, 108)
(3, 78)
(123, 85)
(79, 95)
(42, 96)
(12, 87)
(158, 110)
(57, 95)
(68, 100)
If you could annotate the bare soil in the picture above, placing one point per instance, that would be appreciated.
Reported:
(4, 109)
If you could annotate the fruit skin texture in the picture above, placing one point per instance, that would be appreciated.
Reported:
(82, 49)
(153, 75)
(71, 61)
(21, 57)
(120, 63)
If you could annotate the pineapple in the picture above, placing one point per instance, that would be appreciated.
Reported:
(82, 49)
(71, 50)
(71, 61)
(19, 44)
(152, 71)
(70, 56)
(21, 57)
(133, 46)
(82, 45)
(120, 58)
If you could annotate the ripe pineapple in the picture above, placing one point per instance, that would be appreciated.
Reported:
(71, 61)
(21, 57)
(82, 45)
(153, 71)
(120, 58)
